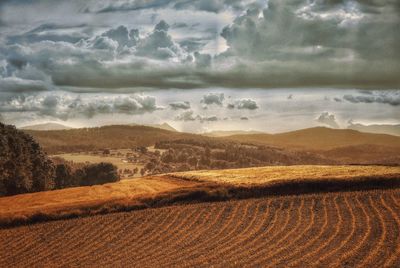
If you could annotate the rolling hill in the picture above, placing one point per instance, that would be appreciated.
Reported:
(46, 126)
(164, 126)
(319, 138)
(386, 129)
(340, 146)
(115, 137)
(222, 133)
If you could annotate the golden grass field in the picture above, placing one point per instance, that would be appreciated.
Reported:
(353, 229)
(272, 174)
(296, 216)
(83, 199)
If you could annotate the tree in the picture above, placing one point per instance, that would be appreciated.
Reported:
(150, 165)
(64, 176)
(167, 157)
(99, 174)
(24, 167)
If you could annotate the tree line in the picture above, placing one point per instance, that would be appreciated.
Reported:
(25, 168)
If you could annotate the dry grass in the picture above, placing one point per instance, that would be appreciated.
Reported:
(353, 229)
(84, 200)
(273, 174)
(189, 187)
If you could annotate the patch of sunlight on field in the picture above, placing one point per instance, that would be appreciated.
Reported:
(89, 195)
(263, 175)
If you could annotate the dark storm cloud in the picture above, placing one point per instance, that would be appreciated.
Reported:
(333, 40)
(18, 85)
(340, 43)
(67, 106)
(201, 5)
(388, 97)
(51, 32)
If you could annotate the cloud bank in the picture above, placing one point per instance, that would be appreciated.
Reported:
(264, 44)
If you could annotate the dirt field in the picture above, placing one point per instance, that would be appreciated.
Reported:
(354, 229)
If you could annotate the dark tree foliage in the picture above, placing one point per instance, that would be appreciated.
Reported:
(99, 174)
(65, 177)
(24, 167)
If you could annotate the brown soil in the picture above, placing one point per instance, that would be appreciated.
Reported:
(318, 230)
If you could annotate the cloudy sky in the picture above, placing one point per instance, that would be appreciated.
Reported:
(200, 65)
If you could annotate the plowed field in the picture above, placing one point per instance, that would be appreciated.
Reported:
(352, 229)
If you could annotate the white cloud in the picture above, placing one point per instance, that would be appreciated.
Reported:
(328, 119)
(246, 104)
(184, 105)
(213, 98)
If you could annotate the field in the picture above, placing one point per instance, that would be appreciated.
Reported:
(195, 186)
(119, 161)
(273, 174)
(84, 200)
(294, 216)
(353, 229)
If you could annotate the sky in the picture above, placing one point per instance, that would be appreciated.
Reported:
(200, 65)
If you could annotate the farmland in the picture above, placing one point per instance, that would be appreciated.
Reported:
(262, 175)
(293, 216)
(328, 229)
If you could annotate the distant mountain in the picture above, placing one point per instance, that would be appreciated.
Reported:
(319, 138)
(46, 126)
(164, 126)
(222, 133)
(384, 129)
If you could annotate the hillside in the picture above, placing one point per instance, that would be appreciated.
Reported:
(387, 129)
(227, 133)
(46, 126)
(113, 137)
(319, 138)
(308, 146)
(164, 126)
(354, 229)
(194, 186)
